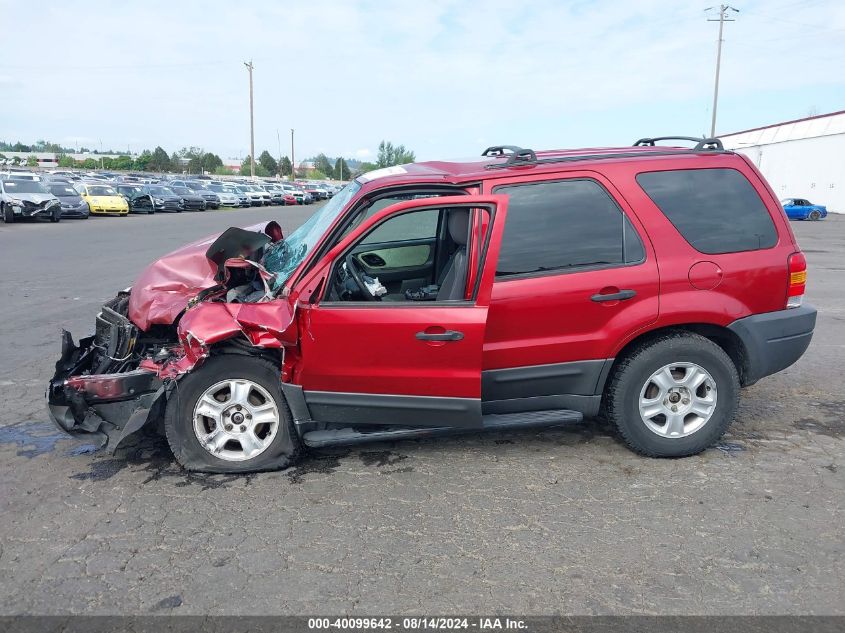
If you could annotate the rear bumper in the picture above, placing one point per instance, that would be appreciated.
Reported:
(774, 340)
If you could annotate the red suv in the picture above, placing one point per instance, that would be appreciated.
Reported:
(648, 283)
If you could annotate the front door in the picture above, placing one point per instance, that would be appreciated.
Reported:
(397, 334)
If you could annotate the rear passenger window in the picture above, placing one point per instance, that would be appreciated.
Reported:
(716, 210)
(554, 226)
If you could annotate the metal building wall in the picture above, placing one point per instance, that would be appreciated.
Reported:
(811, 168)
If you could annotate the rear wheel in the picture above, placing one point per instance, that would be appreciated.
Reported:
(674, 396)
(230, 416)
(815, 214)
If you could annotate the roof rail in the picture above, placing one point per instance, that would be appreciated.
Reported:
(499, 150)
(517, 159)
(701, 144)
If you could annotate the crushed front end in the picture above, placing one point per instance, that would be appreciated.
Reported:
(185, 307)
(100, 387)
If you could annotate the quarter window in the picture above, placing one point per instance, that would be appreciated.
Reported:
(716, 210)
(556, 226)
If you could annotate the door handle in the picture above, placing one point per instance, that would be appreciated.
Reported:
(622, 295)
(448, 335)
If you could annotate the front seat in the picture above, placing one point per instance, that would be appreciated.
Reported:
(453, 278)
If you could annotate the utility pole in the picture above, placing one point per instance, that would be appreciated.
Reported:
(723, 17)
(249, 67)
(292, 159)
(340, 162)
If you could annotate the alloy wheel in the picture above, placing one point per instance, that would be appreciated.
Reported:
(236, 419)
(677, 400)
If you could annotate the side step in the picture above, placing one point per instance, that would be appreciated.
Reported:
(493, 422)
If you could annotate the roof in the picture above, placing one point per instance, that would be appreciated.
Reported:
(458, 171)
(796, 129)
(766, 127)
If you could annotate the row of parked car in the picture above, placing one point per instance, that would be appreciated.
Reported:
(58, 195)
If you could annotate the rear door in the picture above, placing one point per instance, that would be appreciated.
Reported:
(401, 361)
(576, 276)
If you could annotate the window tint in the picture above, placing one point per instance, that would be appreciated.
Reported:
(716, 210)
(560, 225)
(408, 226)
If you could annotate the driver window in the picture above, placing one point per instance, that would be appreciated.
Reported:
(415, 256)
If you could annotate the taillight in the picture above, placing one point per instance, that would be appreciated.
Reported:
(797, 279)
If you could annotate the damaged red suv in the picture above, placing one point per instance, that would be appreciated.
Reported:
(649, 283)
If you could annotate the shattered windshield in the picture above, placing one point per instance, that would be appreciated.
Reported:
(283, 257)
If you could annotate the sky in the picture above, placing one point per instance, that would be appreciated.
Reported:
(446, 78)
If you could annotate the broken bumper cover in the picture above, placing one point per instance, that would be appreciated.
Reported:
(107, 406)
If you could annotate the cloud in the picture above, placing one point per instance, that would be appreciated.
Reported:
(363, 154)
(435, 76)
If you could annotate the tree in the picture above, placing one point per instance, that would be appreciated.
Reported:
(31, 161)
(341, 169)
(89, 163)
(159, 161)
(388, 155)
(365, 167)
(284, 166)
(323, 165)
(194, 157)
(259, 169)
(222, 171)
(211, 162)
(122, 162)
(269, 163)
(66, 161)
(176, 163)
(142, 161)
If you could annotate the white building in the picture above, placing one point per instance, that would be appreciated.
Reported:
(804, 158)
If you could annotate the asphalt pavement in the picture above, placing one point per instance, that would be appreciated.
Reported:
(563, 521)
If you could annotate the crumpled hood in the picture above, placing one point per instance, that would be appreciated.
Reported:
(163, 288)
(37, 198)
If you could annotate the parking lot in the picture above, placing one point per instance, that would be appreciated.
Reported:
(559, 521)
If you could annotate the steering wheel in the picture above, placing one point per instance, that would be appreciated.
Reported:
(355, 272)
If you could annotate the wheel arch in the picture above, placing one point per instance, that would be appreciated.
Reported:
(728, 340)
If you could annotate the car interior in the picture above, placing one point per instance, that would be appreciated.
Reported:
(416, 256)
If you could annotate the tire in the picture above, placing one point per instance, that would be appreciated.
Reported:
(8, 215)
(56, 216)
(632, 384)
(815, 214)
(180, 423)
(150, 211)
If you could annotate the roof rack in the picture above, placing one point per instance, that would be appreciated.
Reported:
(499, 150)
(701, 144)
(526, 157)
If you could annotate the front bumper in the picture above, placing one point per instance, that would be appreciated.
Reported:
(80, 211)
(110, 210)
(32, 210)
(774, 340)
(106, 406)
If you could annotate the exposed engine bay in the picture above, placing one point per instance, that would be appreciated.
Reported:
(117, 380)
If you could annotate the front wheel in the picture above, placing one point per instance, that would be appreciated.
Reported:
(8, 214)
(674, 396)
(56, 216)
(815, 214)
(230, 416)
